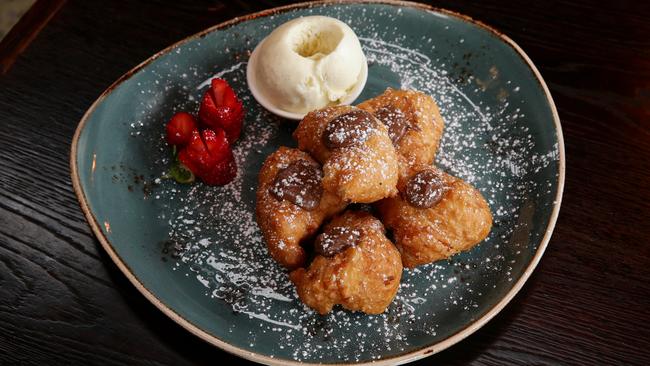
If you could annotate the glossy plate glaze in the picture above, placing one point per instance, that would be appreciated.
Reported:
(196, 252)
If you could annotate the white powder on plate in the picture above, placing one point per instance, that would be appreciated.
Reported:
(214, 236)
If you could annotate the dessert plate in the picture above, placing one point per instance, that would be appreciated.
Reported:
(195, 251)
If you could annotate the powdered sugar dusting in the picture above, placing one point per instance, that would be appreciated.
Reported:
(213, 236)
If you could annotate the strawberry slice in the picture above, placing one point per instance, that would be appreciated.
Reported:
(194, 155)
(180, 128)
(216, 142)
(209, 157)
(220, 108)
(224, 169)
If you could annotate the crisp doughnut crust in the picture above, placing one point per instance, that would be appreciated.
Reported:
(419, 142)
(363, 278)
(460, 220)
(363, 173)
(286, 226)
(380, 153)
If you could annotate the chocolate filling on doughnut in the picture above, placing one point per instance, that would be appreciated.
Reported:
(349, 129)
(300, 184)
(396, 122)
(336, 240)
(425, 189)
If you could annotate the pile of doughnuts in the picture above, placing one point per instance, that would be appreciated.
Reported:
(324, 208)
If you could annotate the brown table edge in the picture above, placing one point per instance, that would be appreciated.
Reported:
(26, 30)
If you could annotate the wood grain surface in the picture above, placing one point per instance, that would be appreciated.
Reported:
(62, 300)
(27, 28)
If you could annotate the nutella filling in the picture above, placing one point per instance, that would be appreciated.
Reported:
(396, 122)
(336, 240)
(349, 129)
(300, 184)
(425, 189)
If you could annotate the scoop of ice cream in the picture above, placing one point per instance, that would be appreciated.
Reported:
(309, 63)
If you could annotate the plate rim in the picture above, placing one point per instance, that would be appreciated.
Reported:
(261, 358)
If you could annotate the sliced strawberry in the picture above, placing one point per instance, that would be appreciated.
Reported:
(219, 89)
(221, 173)
(225, 169)
(193, 155)
(216, 142)
(220, 108)
(179, 128)
(209, 157)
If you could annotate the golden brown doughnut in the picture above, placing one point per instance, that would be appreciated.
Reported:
(413, 120)
(356, 266)
(435, 216)
(291, 204)
(359, 160)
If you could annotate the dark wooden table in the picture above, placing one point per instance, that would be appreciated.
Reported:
(62, 300)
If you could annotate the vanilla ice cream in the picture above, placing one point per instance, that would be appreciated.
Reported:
(309, 63)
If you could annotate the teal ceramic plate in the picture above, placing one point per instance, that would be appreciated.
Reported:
(196, 252)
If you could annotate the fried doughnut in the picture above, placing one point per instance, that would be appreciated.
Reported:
(435, 216)
(359, 160)
(291, 204)
(413, 120)
(356, 266)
